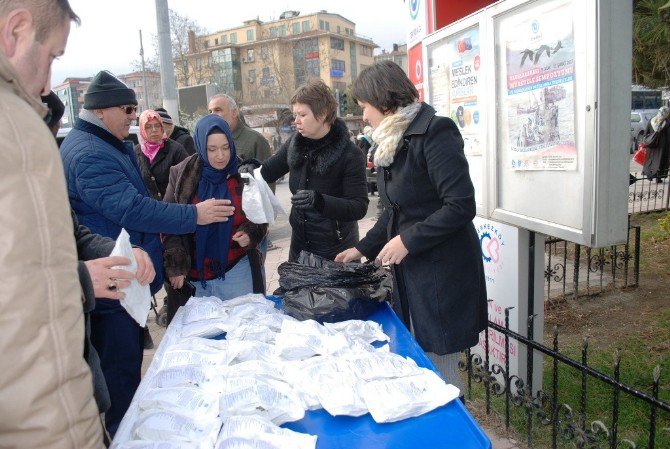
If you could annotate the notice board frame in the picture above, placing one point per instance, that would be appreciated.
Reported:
(583, 196)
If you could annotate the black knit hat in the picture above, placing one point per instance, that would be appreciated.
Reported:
(165, 117)
(106, 91)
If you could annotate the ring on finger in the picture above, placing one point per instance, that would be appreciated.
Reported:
(111, 286)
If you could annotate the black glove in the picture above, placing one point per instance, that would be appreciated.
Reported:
(248, 166)
(304, 199)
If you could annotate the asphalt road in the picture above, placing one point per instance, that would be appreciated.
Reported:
(282, 230)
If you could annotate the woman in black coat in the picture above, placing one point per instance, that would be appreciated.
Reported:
(657, 138)
(326, 175)
(426, 231)
(156, 153)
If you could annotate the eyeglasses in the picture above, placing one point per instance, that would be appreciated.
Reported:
(129, 109)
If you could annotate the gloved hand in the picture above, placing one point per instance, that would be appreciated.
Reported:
(304, 199)
(248, 165)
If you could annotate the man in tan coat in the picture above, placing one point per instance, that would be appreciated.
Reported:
(46, 398)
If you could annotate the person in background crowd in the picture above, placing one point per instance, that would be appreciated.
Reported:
(45, 383)
(658, 152)
(364, 140)
(326, 175)
(155, 154)
(425, 232)
(250, 143)
(96, 268)
(107, 193)
(177, 133)
(221, 259)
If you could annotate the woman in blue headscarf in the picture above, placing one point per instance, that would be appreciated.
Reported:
(221, 259)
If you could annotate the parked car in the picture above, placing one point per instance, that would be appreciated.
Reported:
(134, 132)
(639, 118)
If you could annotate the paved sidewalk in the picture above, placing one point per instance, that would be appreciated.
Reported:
(274, 258)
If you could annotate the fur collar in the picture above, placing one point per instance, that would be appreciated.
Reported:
(389, 132)
(324, 152)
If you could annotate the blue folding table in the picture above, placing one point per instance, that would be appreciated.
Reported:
(450, 426)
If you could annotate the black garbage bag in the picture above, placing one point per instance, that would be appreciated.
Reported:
(328, 291)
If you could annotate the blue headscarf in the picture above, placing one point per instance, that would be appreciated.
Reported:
(212, 241)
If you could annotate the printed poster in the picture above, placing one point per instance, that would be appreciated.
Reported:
(455, 83)
(538, 100)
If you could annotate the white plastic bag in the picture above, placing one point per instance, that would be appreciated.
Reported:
(138, 297)
(259, 203)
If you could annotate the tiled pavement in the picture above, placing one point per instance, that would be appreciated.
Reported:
(275, 257)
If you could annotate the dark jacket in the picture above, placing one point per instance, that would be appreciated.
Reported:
(182, 136)
(107, 193)
(91, 246)
(183, 185)
(157, 173)
(429, 200)
(334, 167)
(250, 144)
(658, 154)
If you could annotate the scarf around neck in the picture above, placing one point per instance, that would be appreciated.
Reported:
(389, 132)
(212, 241)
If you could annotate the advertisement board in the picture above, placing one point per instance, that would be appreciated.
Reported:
(540, 91)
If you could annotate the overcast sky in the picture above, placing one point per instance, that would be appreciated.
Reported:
(108, 37)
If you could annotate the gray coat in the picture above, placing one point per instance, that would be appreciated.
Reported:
(429, 200)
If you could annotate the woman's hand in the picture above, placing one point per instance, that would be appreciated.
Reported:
(393, 252)
(242, 239)
(177, 282)
(348, 255)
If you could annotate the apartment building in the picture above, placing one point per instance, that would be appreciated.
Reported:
(71, 93)
(397, 55)
(152, 96)
(261, 63)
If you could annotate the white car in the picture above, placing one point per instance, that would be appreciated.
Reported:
(134, 132)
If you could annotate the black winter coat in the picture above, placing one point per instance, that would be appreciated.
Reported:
(91, 246)
(182, 136)
(334, 167)
(157, 173)
(429, 200)
(658, 155)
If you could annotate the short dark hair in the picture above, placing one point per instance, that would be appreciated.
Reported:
(320, 99)
(385, 86)
(48, 14)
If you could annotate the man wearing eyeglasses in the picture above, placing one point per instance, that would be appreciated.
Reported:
(107, 193)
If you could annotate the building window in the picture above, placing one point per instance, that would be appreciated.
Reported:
(273, 31)
(296, 28)
(305, 26)
(337, 68)
(338, 29)
(338, 65)
(250, 35)
(206, 43)
(265, 52)
(252, 75)
(322, 25)
(216, 41)
(366, 51)
(224, 38)
(336, 43)
(327, 26)
(282, 30)
(233, 38)
(198, 63)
